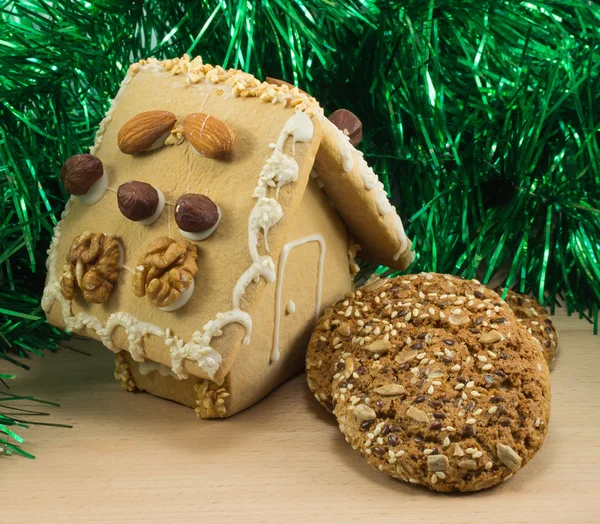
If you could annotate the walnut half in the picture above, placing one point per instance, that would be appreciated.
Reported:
(92, 267)
(165, 270)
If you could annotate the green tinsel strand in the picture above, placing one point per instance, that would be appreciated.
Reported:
(481, 117)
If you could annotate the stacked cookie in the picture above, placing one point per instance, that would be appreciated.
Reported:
(433, 380)
(536, 320)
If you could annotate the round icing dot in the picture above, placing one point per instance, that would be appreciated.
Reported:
(202, 235)
(96, 192)
(159, 209)
(291, 307)
(182, 300)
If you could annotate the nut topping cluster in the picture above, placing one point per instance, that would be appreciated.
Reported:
(92, 267)
(165, 270)
(277, 82)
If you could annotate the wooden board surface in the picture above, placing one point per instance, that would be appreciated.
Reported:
(134, 458)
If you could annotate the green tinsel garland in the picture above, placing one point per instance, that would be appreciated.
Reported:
(481, 117)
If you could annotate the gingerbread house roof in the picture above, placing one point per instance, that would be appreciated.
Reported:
(343, 173)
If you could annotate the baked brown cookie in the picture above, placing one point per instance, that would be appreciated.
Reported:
(323, 353)
(319, 373)
(537, 320)
(438, 383)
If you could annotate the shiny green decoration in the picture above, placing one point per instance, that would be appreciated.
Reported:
(481, 117)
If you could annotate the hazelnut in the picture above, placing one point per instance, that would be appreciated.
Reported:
(196, 214)
(79, 173)
(349, 123)
(137, 200)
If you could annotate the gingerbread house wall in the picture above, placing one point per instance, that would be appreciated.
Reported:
(253, 375)
(176, 170)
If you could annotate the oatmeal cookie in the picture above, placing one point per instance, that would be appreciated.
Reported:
(439, 383)
(322, 356)
(537, 321)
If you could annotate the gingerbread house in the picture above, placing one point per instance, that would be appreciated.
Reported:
(207, 229)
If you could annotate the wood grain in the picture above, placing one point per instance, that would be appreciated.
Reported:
(135, 458)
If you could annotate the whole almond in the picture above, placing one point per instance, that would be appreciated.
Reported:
(208, 135)
(80, 172)
(145, 131)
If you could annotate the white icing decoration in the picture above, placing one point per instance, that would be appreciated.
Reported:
(202, 235)
(372, 183)
(199, 349)
(264, 268)
(299, 127)
(291, 307)
(182, 300)
(285, 251)
(278, 171)
(265, 214)
(268, 213)
(148, 366)
(135, 328)
(345, 149)
(96, 192)
(159, 209)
